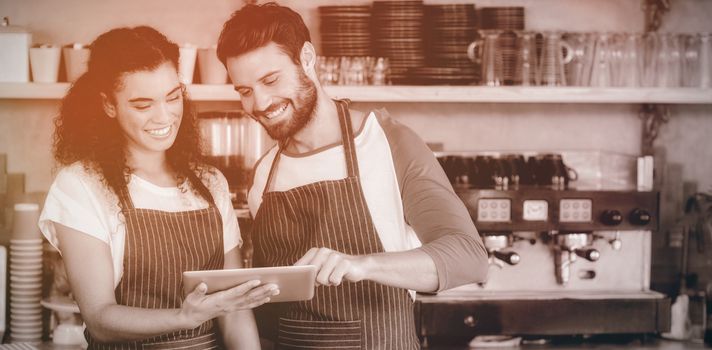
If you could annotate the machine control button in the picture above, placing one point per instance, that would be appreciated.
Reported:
(640, 217)
(575, 210)
(494, 210)
(611, 217)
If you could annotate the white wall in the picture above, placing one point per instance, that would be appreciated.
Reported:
(25, 126)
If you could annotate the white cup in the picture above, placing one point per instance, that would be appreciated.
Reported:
(76, 58)
(44, 62)
(211, 69)
(68, 334)
(24, 221)
(186, 64)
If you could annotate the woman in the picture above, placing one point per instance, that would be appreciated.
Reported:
(133, 207)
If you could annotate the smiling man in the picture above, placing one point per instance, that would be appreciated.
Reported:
(356, 194)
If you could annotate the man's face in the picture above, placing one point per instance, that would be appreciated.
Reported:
(273, 90)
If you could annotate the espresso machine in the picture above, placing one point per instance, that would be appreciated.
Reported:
(569, 242)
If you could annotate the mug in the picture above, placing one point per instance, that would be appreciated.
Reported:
(551, 171)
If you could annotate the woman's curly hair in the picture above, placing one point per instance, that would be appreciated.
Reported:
(83, 132)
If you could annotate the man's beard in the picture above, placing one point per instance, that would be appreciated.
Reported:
(303, 105)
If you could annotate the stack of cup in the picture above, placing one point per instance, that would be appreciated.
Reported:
(25, 275)
(44, 63)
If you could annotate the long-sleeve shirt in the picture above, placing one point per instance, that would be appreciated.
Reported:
(411, 201)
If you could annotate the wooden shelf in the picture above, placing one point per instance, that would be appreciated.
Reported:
(410, 94)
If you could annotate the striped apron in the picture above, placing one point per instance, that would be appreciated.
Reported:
(159, 247)
(332, 214)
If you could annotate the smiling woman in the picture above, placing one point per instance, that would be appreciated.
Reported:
(148, 107)
(133, 206)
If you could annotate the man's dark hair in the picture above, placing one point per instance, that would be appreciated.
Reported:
(255, 26)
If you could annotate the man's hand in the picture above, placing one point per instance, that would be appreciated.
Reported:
(334, 267)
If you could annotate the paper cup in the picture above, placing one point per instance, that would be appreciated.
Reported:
(211, 69)
(44, 63)
(76, 58)
(186, 64)
(24, 219)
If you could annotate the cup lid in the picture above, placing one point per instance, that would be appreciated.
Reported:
(76, 46)
(27, 207)
(44, 46)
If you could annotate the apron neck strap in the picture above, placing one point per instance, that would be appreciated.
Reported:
(347, 137)
(125, 198)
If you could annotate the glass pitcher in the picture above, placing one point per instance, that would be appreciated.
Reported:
(555, 54)
(485, 52)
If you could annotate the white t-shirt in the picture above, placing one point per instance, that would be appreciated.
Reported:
(78, 199)
(377, 175)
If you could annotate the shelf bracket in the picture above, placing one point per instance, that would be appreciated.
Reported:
(654, 11)
(654, 116)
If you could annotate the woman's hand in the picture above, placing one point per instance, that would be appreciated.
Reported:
(199, 307)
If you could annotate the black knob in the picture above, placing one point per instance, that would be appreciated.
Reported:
(640, 217)
(510, 258)
(611, 217)
(588, 254)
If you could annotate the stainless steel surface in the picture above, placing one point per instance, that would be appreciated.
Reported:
(233, 142)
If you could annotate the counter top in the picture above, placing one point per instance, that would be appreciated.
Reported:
(650, 343)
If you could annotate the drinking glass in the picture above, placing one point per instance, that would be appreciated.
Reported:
(669, 60)
(631, 60)
(525, 72)
(578, 71)
(603, 58)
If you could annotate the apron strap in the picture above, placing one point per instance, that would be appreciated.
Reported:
(347, 137)
(201, 188)
(273, 167)
(125, 199)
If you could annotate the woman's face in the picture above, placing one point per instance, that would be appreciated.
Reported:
(149, 107)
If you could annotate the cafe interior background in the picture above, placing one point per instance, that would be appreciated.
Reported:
(674, 125)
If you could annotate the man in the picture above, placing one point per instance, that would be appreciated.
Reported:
(352, 193)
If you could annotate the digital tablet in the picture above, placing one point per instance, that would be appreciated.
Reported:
(295, 282)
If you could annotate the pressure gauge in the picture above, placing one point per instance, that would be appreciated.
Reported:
(535, 210)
